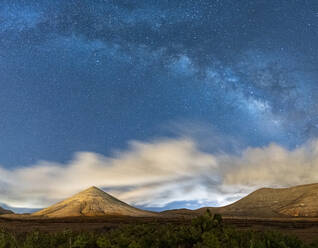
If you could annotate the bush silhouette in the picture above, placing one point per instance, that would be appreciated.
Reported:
(203, 232)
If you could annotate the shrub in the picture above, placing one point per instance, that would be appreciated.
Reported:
(203, 232)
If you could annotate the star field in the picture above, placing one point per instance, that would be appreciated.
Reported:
(92, 75)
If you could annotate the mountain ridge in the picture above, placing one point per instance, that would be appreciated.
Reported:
(5, 211)
(296, 201)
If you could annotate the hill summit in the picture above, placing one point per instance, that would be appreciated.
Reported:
(91, 202)
(298, 201)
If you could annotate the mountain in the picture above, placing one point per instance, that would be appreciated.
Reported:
(298, 201)
(5, 211)
(17, 210)
(91, 202)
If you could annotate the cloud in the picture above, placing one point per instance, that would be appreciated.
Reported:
(158, 173)
(273, 166)
(144, 167)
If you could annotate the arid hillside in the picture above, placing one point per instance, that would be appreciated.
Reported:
(298, 201)
(91, 202)
(5, 211)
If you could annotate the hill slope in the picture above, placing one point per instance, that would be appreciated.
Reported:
(91, 202)
(5, 211)
(298, 201)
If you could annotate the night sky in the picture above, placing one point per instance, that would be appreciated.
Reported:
(112, 84)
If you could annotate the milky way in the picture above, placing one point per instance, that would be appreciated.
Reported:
(92, 75)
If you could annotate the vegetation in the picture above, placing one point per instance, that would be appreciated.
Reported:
(204, 232)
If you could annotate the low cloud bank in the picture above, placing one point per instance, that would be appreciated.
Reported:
(273, 166)
(160, 172)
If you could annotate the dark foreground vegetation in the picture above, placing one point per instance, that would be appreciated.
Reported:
(204, 231)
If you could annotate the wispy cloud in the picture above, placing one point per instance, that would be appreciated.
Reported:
(144, 168)
(160, 172)
(273, 166)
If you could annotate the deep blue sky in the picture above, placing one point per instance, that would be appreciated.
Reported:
(92, 75)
